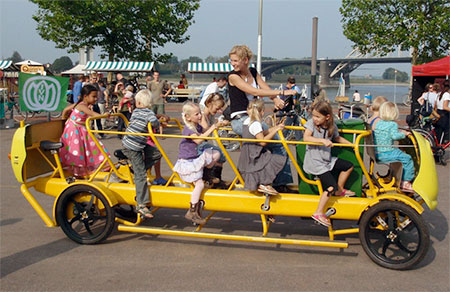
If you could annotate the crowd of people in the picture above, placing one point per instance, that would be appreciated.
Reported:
(264, 166)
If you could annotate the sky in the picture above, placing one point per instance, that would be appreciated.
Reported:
(219, 25)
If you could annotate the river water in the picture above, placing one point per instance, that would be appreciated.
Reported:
(391, 92)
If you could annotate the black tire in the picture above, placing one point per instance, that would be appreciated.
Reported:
(84, 215)
(388, 243)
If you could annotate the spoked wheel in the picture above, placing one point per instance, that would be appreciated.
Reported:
(55, 115)
(406, 99)
(394, 235)
(84, 215)
(428, 136)
(19, 115)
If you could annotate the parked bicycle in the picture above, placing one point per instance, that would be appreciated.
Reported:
(424, 126)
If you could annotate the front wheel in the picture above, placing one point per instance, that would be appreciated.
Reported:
(394, 235)
(84, 215)
(406, 99)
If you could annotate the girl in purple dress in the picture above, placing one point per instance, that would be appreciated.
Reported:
(190, 163)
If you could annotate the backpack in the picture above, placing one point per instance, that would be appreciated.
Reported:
(426, 109)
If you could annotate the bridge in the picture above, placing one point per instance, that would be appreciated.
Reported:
(330, 69)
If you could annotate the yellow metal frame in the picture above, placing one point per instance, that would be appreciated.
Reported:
(234, 199)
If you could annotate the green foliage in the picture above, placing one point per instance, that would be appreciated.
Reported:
(389, 74)
(16, 57)
(381, 26)
(61, 64)
(122, 29)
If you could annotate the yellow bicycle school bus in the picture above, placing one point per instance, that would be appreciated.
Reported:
(391, 229)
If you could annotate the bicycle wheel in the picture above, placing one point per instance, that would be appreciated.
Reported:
(55, 115)
(428, 136)
(19, 115)
(406, 99)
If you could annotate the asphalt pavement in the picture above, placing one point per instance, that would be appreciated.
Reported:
(37, 258)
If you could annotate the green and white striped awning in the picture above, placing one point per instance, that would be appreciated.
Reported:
(4, 64)
(119, 66)
(8, 66)
(209, 67)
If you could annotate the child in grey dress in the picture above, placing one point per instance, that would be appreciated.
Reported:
(257, 165)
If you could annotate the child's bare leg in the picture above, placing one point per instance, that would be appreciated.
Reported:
(343, 176)
(158, 169)
(323, 200)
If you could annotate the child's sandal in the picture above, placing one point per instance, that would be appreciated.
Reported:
(321, 219)
(144, 212)
(346, 193)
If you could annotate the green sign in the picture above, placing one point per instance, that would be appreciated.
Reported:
(42, 93)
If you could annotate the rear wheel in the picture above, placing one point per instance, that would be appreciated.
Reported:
(394, 235)
(428, 136)
(84, 215)
(19, 115)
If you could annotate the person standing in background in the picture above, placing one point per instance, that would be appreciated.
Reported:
(185, 82)
(159, 94)
(77, 88)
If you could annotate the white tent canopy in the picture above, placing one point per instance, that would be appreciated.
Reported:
(125, 66)
(78, 69)
(29, 63)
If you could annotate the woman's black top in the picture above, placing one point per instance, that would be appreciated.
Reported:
(238, 98)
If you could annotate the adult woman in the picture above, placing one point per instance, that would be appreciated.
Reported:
(246, 84)
(443, 109)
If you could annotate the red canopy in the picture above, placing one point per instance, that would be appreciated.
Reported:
(439, 67)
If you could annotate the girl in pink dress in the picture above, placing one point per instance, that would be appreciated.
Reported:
(80, 154)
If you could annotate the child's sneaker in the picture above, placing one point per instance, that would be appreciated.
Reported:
(159, 182)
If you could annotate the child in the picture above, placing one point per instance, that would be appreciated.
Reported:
(80, 154)
(386, 131)
(257, 165)
(318, 160)
(140, 153)
(127, 99)
(190, 163)
(213, 104)
(375, 107)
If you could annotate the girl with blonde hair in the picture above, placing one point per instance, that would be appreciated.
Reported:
(385, 133)
(191, 163)
(257, 165)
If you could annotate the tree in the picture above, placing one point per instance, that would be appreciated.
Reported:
(16, 57)
(381, 26)
(389, 74)
(61, 64)
(122, 29)
(191, 59)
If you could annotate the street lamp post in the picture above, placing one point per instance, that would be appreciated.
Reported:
(395, 86)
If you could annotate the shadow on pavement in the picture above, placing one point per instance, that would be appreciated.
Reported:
(23, 259)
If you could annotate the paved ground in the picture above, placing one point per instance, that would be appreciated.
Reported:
(36, 258)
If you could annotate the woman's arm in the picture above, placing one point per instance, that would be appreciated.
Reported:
(264, 89)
